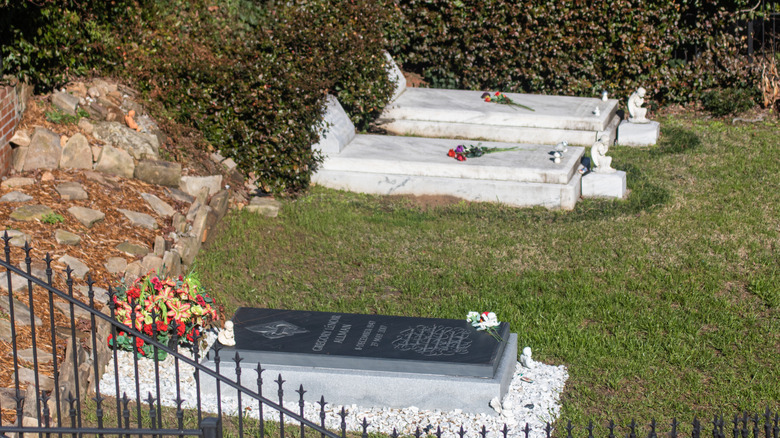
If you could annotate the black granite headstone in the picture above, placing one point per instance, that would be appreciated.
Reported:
(365, 342)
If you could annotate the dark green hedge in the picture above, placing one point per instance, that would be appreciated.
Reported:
(577, 47)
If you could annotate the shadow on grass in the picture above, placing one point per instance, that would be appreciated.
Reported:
(676, 140)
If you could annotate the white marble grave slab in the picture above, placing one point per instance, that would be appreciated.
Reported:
(418, 156)
(604, 185)
(420, 166)
(338, 130)
(638, 134)
(396, 76)
(466, 106)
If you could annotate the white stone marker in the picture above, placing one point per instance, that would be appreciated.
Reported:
(338, 131)
(638, 134)
(396, 76)
(604, 185)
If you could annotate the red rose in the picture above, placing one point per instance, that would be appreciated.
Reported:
(487, 99)
(498, 93)
(148, 329)
(139, 342)
(461, 157)
(451, 153)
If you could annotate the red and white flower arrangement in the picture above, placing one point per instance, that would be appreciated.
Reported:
(162, 308)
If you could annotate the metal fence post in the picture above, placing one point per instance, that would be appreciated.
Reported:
(211, 427)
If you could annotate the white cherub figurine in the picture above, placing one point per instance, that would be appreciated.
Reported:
(601, 162)
(525, 358)
(226, 336)
(636, 112)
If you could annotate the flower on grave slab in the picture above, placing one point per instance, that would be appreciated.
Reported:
(502, 98)
(485, 321)
(462, 152)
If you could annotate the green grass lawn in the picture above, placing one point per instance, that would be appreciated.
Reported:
(664, 305)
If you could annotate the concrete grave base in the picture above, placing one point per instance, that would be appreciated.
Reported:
(604, 185)
(378, 388)
(638, 134)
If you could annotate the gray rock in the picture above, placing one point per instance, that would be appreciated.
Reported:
(21, 311)
(28, 213)
(159, 206)
(17, 182)
(229, 164)
(93, 92)
(203, 222)
(79, 268)
(115, 161)
(267, 206)
(179, 195)
(64, 307)
(18, 238)
(96, 111)
(193, 210)
(18, 283)
(65, 101)
(171, 263)
(193, 184)
(64, 237)
(44, 151)
(18, 157)
(139, 144)
(161, 173)
(179, 223)
(113, 112)
(132, 249)
(131, 105)
(188, 247)
(139, 219)
(71, 191)
(15, 197)
(159, 246)
(27, 375)
(101, 295)
(219, 203)
(21, 138)
(152, 262)
(86, 216)
(7, 336)
(133, 271)
(116, 265)
(86, 126)
(27, 354)
(148, 125)
(76, 154)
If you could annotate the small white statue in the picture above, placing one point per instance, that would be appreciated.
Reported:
(601, 162)
(525, 358)
(637, 114)
(226, 336)
(604, 95)
(596, 112)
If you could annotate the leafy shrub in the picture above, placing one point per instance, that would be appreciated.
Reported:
(164, 309)
(674, 49)
(49, 41)
(256, 87)
(728, 101)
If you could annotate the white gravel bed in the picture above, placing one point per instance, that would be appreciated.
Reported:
(535, 403)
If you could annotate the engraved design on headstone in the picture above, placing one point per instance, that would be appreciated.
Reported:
(434, 340)
(277, 329)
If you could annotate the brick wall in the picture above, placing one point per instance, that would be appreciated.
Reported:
(12, 103)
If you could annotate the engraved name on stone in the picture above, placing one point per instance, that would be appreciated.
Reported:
(433, 340)
(325, 335)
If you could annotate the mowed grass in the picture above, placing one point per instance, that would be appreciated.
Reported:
(664, 305)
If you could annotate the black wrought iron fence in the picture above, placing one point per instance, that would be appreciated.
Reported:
(68, 393)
